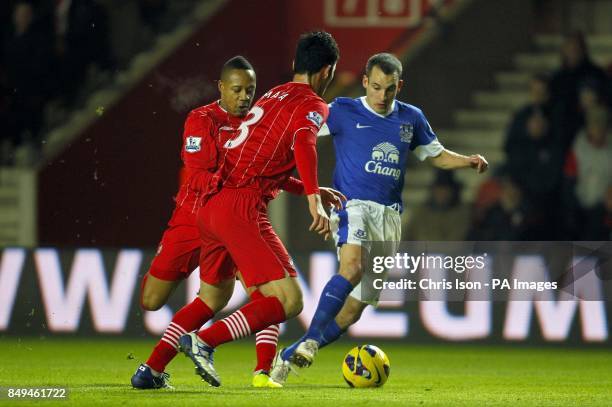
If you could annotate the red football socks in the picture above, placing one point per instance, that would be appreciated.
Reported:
(265, 345)
(189, 318)
(252, 317)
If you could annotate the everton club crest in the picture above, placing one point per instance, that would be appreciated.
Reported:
(406, 132)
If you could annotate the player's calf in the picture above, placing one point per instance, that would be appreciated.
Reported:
(154, 292)
(216, 296)
(350, 313)
(153, 302)
(288, 293)
(350, 266)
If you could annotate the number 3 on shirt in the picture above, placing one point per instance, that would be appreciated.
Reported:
(255, 115)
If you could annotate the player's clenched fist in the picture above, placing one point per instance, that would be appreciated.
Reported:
(479, 163)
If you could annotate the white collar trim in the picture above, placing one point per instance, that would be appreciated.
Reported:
(221, 107)
(365, 104)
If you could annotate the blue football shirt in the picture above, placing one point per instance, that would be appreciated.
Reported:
(372, 149)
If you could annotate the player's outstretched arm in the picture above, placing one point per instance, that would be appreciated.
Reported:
(306, 162)
(329, 196)
(449, 160)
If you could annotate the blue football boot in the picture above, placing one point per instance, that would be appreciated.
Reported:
(144, 379)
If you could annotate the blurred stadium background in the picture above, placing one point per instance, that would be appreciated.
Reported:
(94, 94)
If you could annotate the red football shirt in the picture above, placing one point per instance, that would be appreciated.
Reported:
(261, 154)
(206, 128)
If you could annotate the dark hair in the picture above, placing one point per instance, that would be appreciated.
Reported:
(578, 37)
(314, 51)
(237, 62)
(387, 63)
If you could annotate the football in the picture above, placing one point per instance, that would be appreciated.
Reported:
(366, 366)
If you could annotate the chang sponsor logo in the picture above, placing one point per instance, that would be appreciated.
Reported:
(384, 153)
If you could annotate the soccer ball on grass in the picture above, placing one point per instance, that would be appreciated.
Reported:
(365, 366)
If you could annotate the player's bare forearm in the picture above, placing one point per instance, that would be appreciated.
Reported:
(450, 160)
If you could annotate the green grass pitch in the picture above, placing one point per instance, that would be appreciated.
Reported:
(98, 371)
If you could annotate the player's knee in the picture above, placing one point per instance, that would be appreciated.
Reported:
(216, 296)
(351, 269)
(215, 303)
(292, 302)
(155, 292)
(288, 293)
(152, 301)
(294, 307)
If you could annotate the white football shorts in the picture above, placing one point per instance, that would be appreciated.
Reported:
(363, 222)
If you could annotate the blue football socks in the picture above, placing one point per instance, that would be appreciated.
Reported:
(332, 299)
(323, 328)
(331, 333)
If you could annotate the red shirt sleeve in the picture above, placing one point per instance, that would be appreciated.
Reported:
(199, 152)
(308, 119)
(305, 152)
(199, 149)
(310, 115)
(293, 186)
